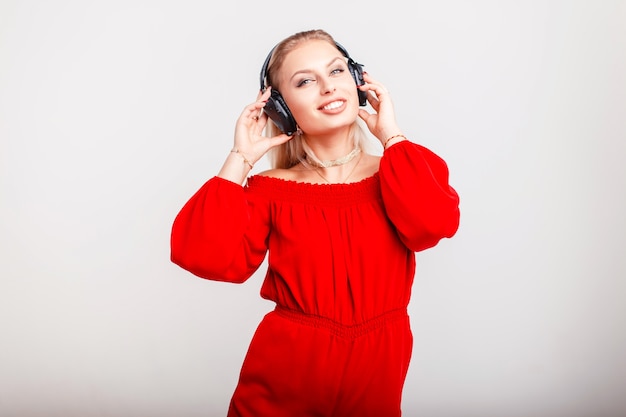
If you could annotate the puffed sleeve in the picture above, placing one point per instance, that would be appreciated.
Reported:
(221, 232)
(418, 199)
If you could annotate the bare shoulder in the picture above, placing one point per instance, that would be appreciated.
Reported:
(281, 173)
(272, 173)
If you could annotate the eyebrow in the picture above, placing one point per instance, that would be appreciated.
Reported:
(308, 70)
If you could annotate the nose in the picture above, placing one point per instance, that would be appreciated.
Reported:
(327, 87)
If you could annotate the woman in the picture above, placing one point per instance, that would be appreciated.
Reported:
(340, 226)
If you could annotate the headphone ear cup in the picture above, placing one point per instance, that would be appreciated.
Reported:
(277, 110)
(357, 73)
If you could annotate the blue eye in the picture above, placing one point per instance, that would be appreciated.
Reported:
(337, 71)
(303, 82)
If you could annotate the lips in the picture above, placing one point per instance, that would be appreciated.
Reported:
(333, 105)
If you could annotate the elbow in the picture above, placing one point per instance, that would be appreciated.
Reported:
(450, 225)
(442, 221)
(445, 217)
(214, 268)
(177, 256)
(428, 234)
(212, 272)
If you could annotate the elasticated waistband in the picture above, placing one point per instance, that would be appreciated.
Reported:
(338, 329)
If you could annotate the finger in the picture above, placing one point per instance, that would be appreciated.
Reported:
(373, 101)
(379, 89)
(264, 94)
(373, 85)
(261, 99)
(253, 111)
(369, 79)
(280, 139)
(261, 121)
(373, 92)
(364, 115)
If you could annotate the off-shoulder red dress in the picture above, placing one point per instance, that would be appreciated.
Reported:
(341, 263)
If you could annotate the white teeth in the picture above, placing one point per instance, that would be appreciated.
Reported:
(333, 105)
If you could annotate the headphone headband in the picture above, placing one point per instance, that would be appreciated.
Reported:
(351, 64)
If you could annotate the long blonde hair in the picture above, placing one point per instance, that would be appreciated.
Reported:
(292, 153)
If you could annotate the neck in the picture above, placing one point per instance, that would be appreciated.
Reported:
(336, 159)
(340, 174)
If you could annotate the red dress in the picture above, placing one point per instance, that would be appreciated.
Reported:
(340, 270)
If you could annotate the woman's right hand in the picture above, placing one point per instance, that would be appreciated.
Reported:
(249, 138)
(250, 143)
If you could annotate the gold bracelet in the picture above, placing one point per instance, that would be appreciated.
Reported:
(250, 164)
(392, 137)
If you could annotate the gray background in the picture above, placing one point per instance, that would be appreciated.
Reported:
(112, 113)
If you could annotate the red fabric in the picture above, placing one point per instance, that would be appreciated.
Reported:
(341, 256)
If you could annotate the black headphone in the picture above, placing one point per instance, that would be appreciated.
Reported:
(277, 109)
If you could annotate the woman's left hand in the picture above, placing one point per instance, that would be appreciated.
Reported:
(382, 124)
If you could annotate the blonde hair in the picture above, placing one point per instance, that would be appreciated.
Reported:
(292, 153)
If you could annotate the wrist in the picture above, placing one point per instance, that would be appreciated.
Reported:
(390, 140)
(235, 169)
(245, 159)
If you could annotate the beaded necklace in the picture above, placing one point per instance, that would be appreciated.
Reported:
(345, 179)
(315, 161)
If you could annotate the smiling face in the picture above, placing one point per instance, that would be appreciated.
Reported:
(315, 82)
